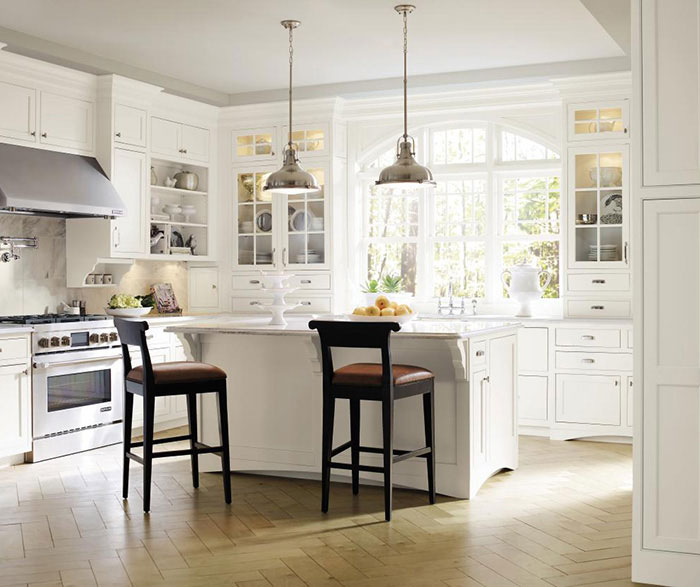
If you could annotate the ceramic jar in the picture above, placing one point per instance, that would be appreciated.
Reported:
(525, 285)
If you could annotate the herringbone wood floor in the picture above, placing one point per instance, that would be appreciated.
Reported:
(562, 519)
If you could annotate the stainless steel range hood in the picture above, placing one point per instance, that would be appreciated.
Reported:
(36, 181)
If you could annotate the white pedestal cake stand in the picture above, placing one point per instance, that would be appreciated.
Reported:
(277, 284)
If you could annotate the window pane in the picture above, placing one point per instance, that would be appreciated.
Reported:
(531, 205)
(393, 216)
(460, 207)
(384, 160)
(459, 145)
(544, 253)
(393, 258)
(517, 148)
(461, 264)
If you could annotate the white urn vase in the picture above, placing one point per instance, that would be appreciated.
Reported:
(525, 285)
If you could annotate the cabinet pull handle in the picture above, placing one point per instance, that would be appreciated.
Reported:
(617, 383)
(305, 281)
(33, 133)
(118, 134)
(625, 130)
(598, 281)
(254, 303)
(597, 307)
(480, 353)
(184, 150)
(625, 249)
(284, 256)
(44, 135)
(487, 379)
(272, 153)
(213, 286)
(589, 361)
(116, 237)
(306, 303)
(254, 281)
(588, 337)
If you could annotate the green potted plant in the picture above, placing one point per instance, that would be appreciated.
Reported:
(389, 285)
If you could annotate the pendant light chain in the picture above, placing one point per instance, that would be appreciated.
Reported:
(405, 82)
(291, 63)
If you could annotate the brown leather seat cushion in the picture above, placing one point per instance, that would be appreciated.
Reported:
(179, 372)
(370, 374)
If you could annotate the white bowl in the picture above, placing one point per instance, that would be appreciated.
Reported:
(400, 319)
(609, 176)
(127, 312)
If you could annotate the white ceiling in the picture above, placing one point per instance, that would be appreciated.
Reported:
(238, 46)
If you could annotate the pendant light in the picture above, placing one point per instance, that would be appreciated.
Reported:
(291, 177)
(405, 171)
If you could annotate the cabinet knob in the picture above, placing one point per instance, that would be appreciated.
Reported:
(33, 133)
(118, 134)
(480, 353)
(44, 135)
(625, 131)
(213, 286)
(487, 379)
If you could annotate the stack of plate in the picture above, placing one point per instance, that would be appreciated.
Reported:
(263, 258)
(312, 257)
(607, 253)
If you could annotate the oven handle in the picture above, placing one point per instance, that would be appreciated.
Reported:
(43, 365)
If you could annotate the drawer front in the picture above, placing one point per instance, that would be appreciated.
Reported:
(591, 282)
(248, 304)
(14, 348)
(589, 337)
(311, 305)
(598, 308)
(157, 337)
(477, 353)
(254, 282)
(588, 399)
(582, 361)
(307, 304)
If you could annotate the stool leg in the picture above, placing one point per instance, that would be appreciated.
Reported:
(148, 422)
(192, 417)
(327, 447)
(355, 444)
(388, 432)
(128, 418)
(223, 433)
(429, 419)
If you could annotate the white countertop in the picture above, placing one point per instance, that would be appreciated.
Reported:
(299, 326)
(15, 329)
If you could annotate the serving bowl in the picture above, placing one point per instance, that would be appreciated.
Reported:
(127, 312)
(609, 176)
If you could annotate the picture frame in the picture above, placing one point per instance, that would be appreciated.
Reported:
(164, 297)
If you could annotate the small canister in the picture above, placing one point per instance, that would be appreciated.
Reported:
(90, 279)
(99, 278)
(107, 279)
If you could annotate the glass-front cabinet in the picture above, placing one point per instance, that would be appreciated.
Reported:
(599, 207)
(254, 144)
(594, 121)
(279, 232)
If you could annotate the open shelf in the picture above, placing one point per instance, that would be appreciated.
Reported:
(176, 223)
(177, 191)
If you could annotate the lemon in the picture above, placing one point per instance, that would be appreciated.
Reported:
(402, 310)
(372, 311)
(360, 311)
(393, 305)
(388, 312)
(381, 302)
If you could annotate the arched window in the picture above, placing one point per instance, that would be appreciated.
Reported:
(497, 202)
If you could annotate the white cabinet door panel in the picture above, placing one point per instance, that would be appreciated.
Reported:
(588, 399)
(503, 373)
(129, 179)
(15, 416)
(532, 398)
(130, 125)
(480, 420)
(533, 349)
(66, 122)
(203, 290)
(166, 137)
(195, 143)
(671, 374)
(17, 112)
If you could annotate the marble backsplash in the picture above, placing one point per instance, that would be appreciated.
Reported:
(36, 283)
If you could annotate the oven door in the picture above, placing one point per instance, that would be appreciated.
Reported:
(76, 390)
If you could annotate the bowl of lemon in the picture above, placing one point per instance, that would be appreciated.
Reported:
(383, 310)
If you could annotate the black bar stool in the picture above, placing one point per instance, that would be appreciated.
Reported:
(152, 381)
(383, 382)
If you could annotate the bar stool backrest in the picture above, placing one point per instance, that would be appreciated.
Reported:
(359, 335)
(133, 333)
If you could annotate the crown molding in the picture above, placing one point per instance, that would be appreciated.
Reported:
(275, 113)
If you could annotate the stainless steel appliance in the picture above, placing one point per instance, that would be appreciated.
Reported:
(76, 383)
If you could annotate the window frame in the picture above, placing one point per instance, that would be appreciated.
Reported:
(494, 171)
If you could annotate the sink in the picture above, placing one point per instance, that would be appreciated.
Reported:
(465, 317)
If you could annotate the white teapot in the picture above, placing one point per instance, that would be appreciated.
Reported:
(525, 286)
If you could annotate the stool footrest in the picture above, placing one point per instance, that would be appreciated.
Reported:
(343, 447)
(164, 440)
(199, 449)
(348, 467)
(399, 455)
(402, 455)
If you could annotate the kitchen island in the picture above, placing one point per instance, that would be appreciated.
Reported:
(275, 398)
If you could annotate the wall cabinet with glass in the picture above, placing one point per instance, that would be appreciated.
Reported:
(599, 207)
(279, 232)
(595, 121)
(267, 143)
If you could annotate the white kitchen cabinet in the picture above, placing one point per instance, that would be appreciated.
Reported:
(254, 144)
(532, 349)
(533, 398)
(158, 355)
(480, 409)
(15, 416)
(670, 74)
(630, 403)
(67, 122)
(203, 288)
(129, 179)
(17, 112)
(179, 141)
(130, 125)
(311, 141)
(588, 399)
(598, 120)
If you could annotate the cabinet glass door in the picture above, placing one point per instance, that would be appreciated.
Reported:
(598, 121)
(253, 144)
(255, 220)
(305, 241)
(599, 211)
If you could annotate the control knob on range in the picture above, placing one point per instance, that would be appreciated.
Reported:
(94, 338)
(43, 343)
(65, 341)
(55, 341)
(113, 336)
(104, 337)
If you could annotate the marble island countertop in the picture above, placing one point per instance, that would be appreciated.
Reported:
(299, 326)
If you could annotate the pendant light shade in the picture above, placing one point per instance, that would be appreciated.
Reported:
(291, 177)
(405, 171)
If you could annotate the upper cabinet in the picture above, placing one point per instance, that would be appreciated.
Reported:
(254, 144)
(17, 112)
(595, 121)
(670, 72)
(130, 125)
(179, 141)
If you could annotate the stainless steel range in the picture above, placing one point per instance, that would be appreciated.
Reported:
(77, 383)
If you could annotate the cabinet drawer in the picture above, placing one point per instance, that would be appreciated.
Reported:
(593, 361)
(157, 337)
(477, 353)
(254, 282)
(311, 305)
(598, 308)
(588, 399)
(13, 349)
(590, 282)
(591, 337)
(307, 305)
(248, 304)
